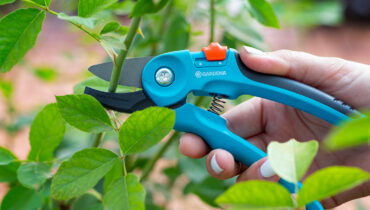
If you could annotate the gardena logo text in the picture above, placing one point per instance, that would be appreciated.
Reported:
(200, 74)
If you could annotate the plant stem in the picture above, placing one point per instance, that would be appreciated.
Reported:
(97, 139)
(118, 62)
(124, 170)
(86, 31)
(212, 21)
(96, 194)
(149, 166)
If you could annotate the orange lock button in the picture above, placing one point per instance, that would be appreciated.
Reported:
(215, 52)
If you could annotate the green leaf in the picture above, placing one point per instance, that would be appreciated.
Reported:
(150, 203)
(42, 2)
(87, 8)
(6, 88)
(330, 181)
(46, 73)
(81, 172)
(256, 194)
(18, 34)
(8, 173)
(209, 189)
(115, 173)
(125, 193)
(47, 131)
(238, 29)
(112, 42)
(19, 122)
(177, 35)
(193, 168)
(81, 21)
(87, 202)
(350, 133)
(33, 175)
(6, 156)
(21, 198)
(123, 7)
(123, 30)
(110, 27)
(290, 160)
(84, 112)
(145, 128)
(3, 2)
(241, 99)
(264, 13)
(143, 7)
(98, 84)
(172, 174)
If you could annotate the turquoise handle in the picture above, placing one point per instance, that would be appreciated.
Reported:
(230, 78)
(213, 129)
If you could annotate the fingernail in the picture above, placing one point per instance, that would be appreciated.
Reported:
(214, 165)
(266, 170)
(253, 51)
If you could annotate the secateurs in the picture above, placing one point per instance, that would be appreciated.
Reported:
(216, 71)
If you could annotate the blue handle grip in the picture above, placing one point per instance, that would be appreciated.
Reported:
(231, 78)
(213, 129)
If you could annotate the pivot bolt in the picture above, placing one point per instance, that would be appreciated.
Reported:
(164, 76)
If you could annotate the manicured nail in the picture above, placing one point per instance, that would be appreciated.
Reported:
(214, 165)
(253, 51)
(266, 170)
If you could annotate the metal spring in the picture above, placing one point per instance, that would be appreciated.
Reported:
(217, 105)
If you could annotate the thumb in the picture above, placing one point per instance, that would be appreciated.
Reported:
(343, 79)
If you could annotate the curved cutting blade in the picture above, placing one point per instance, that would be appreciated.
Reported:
(130, 72)
(122, 102)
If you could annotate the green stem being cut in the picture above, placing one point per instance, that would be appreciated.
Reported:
(212, 21)
(118, 62)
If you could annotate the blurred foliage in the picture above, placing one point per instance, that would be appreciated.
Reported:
(309, 13)
(350, 133)
(6, 88)
(47, 74)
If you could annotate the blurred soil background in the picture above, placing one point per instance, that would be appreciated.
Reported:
(67, 51)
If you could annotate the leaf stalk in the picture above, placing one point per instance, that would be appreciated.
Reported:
(97, 139)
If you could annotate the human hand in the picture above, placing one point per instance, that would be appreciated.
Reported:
(261, 121)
